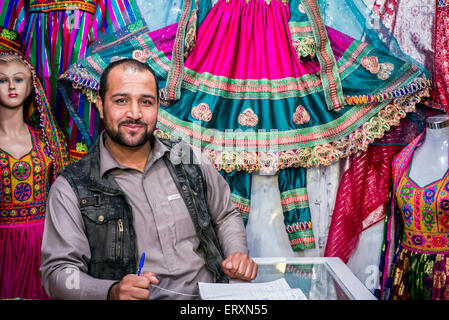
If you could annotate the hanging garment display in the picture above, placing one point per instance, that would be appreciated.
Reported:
(414, 264)
(264, 86)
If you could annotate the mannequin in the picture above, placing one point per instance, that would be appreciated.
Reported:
(32, 153)
(20, 229)
(418, 226)
(430, 160)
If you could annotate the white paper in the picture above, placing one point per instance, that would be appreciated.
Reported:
(274, 290)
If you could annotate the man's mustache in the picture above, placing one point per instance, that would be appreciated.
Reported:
(133, 122)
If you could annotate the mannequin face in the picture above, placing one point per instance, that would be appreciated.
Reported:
(15, 83)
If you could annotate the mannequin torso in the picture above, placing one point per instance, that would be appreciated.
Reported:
(430, 159)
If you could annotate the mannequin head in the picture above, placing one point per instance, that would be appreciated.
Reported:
(438, 127)
(15, 82)
(437, 122)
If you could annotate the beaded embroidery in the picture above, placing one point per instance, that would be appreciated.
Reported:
(383, 70)
(25, 183)
(321, 154)
(47, 6)
(141, 55)
(8, 34)
(442, 3)
(425, 213)
(304, 47)
(301, 115)
(9, 38)
(248, 118)
(202, 112)
(371, 64)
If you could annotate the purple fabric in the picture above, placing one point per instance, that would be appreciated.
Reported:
(339, 43)
(440, 290)
(164, 39)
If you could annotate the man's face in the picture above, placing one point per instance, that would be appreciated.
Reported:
(15, 83)
(130, 106)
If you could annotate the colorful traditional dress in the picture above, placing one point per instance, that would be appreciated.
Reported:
(24, 185)
(420, 266)
(24, 188)
(264, 85)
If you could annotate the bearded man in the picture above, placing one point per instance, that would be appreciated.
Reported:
(132, 194)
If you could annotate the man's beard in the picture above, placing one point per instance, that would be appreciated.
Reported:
(118, 137)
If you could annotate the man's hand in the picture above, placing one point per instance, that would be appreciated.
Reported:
(239, 266)
(133, 287)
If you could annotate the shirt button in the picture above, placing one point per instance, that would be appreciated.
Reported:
(184, 187)
(101, 218)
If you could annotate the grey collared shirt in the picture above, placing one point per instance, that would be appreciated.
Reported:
(164, 231)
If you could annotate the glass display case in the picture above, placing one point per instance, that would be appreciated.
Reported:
(318, 278)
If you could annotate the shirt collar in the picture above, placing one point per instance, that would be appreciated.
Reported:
(107, 161)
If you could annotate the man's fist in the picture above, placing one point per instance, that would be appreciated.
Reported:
(240, 266)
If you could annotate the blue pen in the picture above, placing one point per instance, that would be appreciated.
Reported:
(142, 261)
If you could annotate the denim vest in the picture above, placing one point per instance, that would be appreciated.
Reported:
(108, 217)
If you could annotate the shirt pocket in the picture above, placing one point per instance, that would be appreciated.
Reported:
(184, 228)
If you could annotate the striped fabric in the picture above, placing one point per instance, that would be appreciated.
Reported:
(362, 199)
(12, 14)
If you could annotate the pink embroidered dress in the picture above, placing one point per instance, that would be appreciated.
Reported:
(24, 187)
(420, 266)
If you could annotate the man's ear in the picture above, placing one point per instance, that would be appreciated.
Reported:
(99, 105)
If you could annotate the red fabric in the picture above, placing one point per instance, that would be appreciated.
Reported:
(364, 187)
(364, 190)
(440, 92)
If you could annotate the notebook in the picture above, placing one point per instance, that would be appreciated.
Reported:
(273, 290)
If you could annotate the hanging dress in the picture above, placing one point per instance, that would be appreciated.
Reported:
(419, 268)
(264, 85)
(24, 186)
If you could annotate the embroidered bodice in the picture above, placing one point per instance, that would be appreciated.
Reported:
(25, 183)
(59, 5)
(425, 213)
